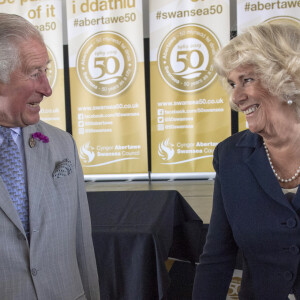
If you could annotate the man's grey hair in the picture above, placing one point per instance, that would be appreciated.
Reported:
(14, 30)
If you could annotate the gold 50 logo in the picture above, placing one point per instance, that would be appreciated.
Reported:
(185, 57)
(279, 19)
(106, 64)
(52, 68)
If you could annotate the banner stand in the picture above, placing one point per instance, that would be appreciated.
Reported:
(151, 176)
(107, 88)
(183, 176)
(249, 14)
(190, 114)
(117, 177)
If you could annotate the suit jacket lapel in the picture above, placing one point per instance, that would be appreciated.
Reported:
(8, 207)
(259, 165)
(296, 201)
(36, 159)
(36, 164)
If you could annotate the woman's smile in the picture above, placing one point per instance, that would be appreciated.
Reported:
(251, 109)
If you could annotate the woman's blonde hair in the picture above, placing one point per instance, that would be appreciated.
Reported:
(273, 49)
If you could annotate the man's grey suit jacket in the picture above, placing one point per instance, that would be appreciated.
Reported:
(60, 262)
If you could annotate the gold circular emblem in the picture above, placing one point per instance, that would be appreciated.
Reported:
(106, 64)
(185, 57)
(279, 19)
(52, 68)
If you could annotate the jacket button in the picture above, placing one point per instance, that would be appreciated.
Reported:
(291, 222)
(288, 275)
(33, 272)
(294, 249)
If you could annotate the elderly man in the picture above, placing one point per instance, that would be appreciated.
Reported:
(46, 249)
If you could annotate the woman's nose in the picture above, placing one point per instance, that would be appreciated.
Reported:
(239, 95)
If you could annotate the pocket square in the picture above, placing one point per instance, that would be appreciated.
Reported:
(63, 168)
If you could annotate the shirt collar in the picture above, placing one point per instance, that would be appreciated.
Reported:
(16, 130)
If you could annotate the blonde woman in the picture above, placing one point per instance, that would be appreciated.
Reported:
(256, 204)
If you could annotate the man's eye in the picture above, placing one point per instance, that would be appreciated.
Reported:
(39, 73)
(35, 75)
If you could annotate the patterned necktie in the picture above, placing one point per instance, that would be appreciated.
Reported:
(11, 170)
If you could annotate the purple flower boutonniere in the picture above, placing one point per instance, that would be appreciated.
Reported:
(37, 136)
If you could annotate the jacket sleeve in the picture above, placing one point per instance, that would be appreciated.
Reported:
(216, 265)
(84, 243)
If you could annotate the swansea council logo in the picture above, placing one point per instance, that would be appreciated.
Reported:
(185, 57)
(106, 64)
(86, 153)
(166, 150)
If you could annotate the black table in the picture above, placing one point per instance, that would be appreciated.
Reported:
(134, 233)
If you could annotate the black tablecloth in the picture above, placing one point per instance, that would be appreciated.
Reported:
(134, 232)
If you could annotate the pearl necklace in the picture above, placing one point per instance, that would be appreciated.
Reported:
(277, 176)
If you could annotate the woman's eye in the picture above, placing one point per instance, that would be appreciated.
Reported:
(248, 79)
(232, 85)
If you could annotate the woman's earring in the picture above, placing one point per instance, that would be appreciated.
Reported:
(290, 102)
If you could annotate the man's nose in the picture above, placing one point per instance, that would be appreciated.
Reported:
(44, 86)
